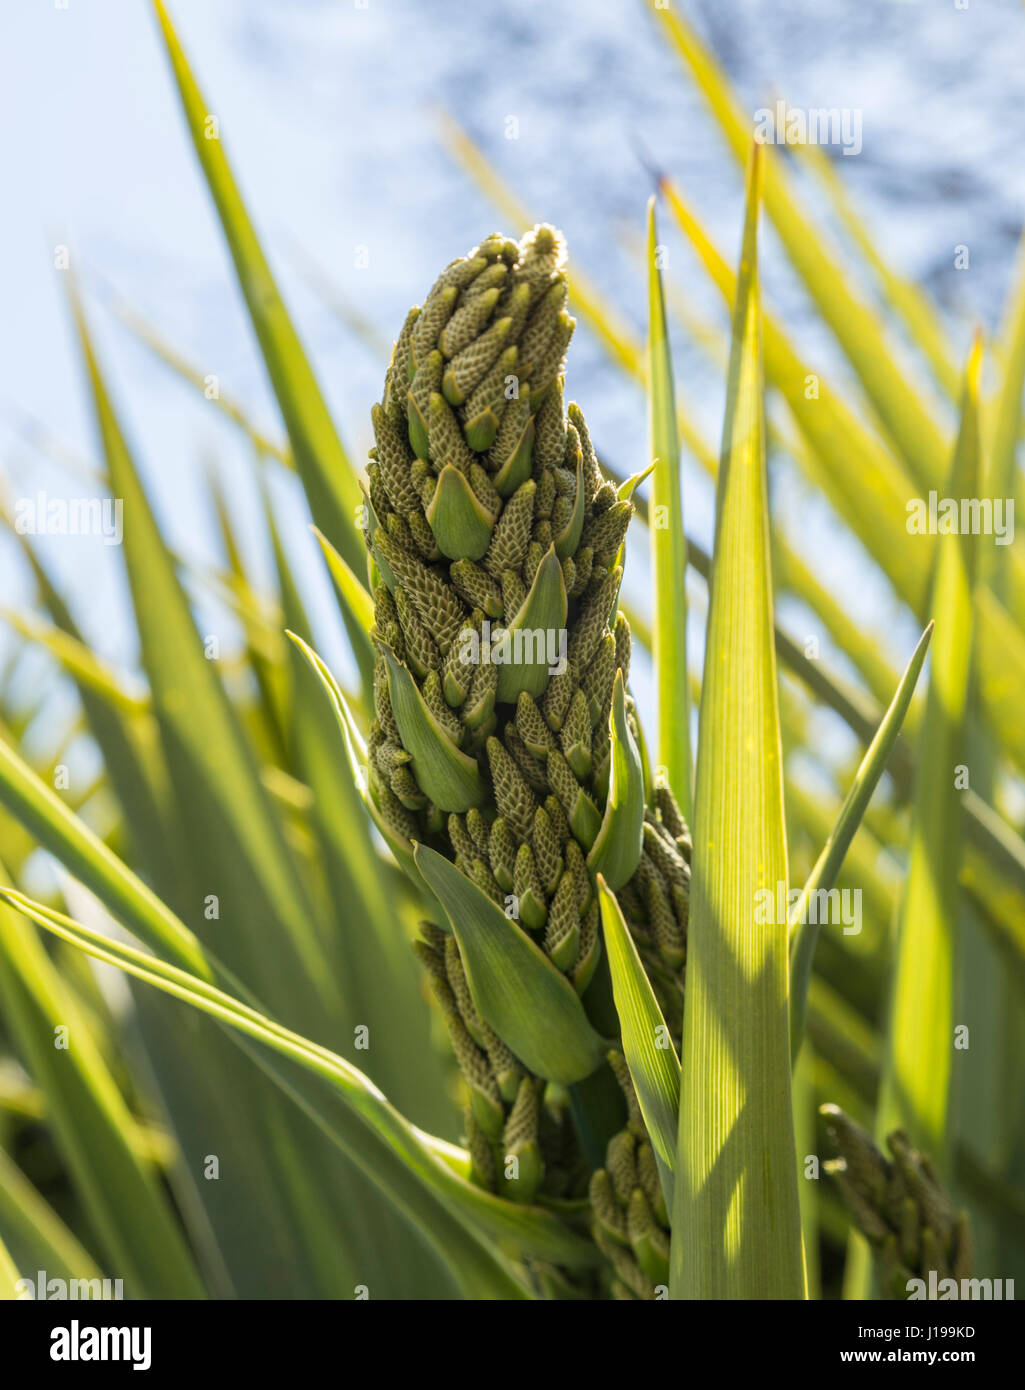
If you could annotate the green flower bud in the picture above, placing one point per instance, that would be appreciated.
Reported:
(491, 526)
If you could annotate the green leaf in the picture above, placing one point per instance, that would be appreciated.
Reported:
(518, 992)
(356, 757)
(357, 608)
(202, 1079)
(390, 1150)
(196, 376)
(374, 955)
(647, 1044)
(907, 418)
(326, 471)
(629, 486)
(862, 480)
(906, 298)
(373, 525)
(459, 522)
(1000, 669)
(521, 653)
(450, 778)
(808, 1191)
(53, 825)
(236, 843)
(863, 715)
(353, 592)
(736, 1224)
(915, 1091)
(617, 850)
(568, 539)
(515, 471)
(79, 661)
(1002, 478)
(265, 649)
(668, 545)
(136, 1225)
(805, 923)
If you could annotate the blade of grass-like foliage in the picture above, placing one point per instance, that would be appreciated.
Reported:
(807, 1187)
(996, 841)
(737, 1225)
(402, 1161)
(904, 296)
(998, 1127)
(234, 840)
(130, 750)
(356, 756)
(906, 417)
(321, 461)
(195, 1074)
(357, 607)
(265, 651)
(861, 646)
(996, 884)
(79, 661)
(864, 483)
(1000, 673)
(128, 1209)
(32, 1228)
(223, 1103)
(920, 1039)
(54, 826)
(865, 862)
(647, 1045)
(200, 1066)
(154, 342)
(368, 948)
(668, 543)
(792, 573)
(350, 588)
(806, 917)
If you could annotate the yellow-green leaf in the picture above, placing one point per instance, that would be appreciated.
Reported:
(915, 1092)
(736, 1223)
(668, 544)
(518, 992)
(647, 1044)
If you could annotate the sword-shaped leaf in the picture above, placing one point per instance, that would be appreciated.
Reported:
(736, 1224)
(804, 922)
(448, 776)
(531, 1006)
(617, 850)
(647, 1044)
(668, 544)
(915, 1092)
